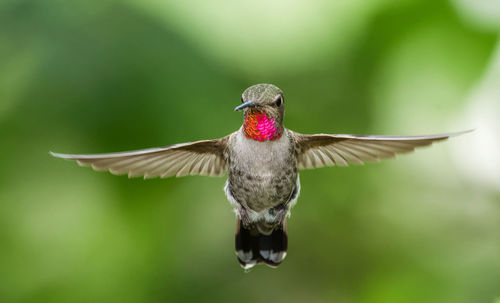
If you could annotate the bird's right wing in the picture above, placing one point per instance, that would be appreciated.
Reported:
(328, 150)
(204, 157)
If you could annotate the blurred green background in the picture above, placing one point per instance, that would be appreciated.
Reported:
(100, 76)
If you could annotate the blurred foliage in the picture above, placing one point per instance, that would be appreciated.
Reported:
(100, 76)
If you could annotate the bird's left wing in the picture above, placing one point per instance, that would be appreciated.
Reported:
(329, 150)
(204, 157)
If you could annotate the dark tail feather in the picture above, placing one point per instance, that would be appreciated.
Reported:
(253, 247)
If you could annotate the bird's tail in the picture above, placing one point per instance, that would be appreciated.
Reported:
(257, 244)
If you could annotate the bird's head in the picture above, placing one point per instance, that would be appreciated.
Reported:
(263, 107)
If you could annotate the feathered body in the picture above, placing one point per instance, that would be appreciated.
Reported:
(262, 184)
(262, 176)
(262, 159)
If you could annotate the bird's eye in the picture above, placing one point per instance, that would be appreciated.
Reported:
(279, 101)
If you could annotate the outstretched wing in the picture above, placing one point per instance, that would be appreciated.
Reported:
(204, 157)
(327, 150)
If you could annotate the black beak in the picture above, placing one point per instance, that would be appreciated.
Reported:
(245, 105)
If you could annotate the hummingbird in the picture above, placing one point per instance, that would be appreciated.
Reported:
(262, 160)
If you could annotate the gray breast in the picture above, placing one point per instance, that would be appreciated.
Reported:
(262, 175)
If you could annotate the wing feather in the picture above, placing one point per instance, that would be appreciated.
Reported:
(186, 168)
(211, 166)
(349, 155)
(204, 169)
(163, 167)
(339, 159)
(206, 157)
(328, 150)
(361, 153)
(141, 168)
(327, 161)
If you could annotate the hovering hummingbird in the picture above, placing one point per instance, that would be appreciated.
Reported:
(262, 160)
